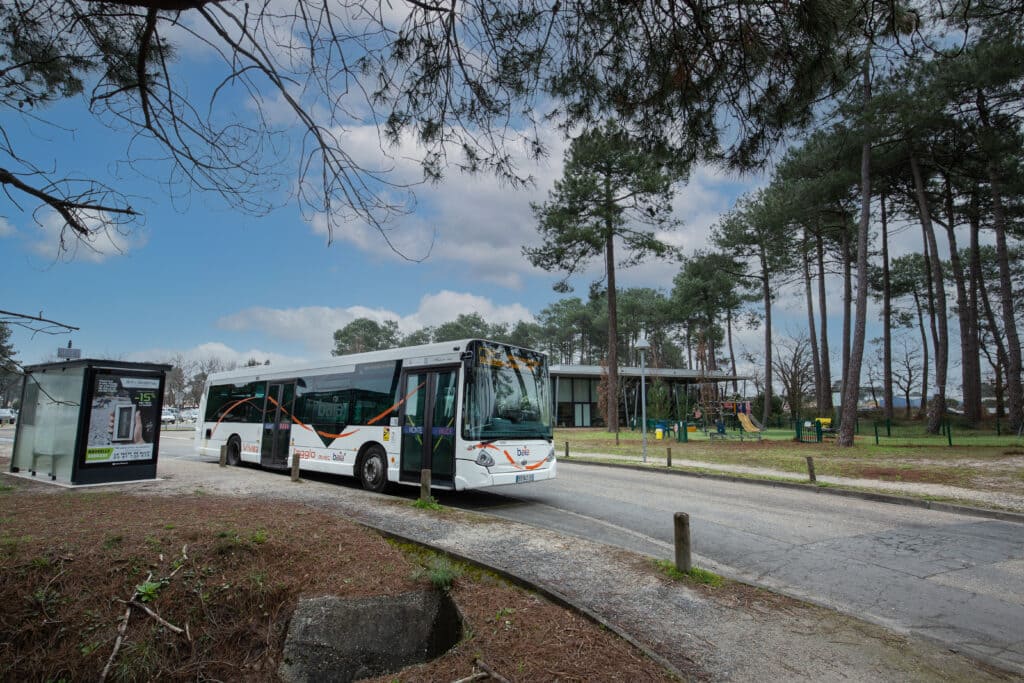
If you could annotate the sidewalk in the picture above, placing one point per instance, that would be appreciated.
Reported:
(963, 496)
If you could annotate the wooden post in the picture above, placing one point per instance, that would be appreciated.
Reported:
(810, 469)
(224, 455)
(682, 542)
(567, 449)
(616, 437)
(425, 477)
(295, 467)
(668, 457)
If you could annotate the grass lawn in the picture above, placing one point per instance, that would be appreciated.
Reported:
(989, 462)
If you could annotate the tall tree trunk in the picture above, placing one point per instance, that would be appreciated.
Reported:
(612, 414)
(999, 391)
(993, 326)
(937, 409)
(826, 362)
(812, 330)
(847, 312)
(973, 314)
(886, 318)
(689, 349)
(732, 353)
(925, 367)
(929, 288)
(767, 294)
(972, 407)
(1014, 387)
(851, 380)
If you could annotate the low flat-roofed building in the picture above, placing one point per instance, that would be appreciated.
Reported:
(575, 388)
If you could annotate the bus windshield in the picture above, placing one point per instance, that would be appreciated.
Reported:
(506, 394)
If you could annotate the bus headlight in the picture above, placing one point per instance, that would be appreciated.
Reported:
(484, 459)
(551, 455)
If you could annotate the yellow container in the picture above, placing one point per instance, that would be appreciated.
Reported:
(658, 434)
(691, 428)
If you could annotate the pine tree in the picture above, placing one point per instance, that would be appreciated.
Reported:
(611, 189)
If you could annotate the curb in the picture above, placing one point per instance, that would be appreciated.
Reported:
(548, 592)
(955, 508)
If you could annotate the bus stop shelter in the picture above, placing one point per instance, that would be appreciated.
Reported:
(89, 421)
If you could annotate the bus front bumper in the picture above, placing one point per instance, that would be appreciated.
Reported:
(484, 478)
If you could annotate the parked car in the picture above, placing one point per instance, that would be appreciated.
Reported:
(8, 416)
(189, 415)
(168, 416)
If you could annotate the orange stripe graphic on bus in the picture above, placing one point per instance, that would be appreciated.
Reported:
(328, 435)
(509, 456)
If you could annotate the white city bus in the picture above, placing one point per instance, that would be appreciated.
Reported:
(477, 413)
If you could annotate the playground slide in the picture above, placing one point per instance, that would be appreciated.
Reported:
(755, 422)
(748, 426)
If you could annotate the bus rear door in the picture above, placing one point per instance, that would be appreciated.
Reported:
(277, 425)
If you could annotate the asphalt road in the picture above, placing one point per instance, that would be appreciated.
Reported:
(951, 578)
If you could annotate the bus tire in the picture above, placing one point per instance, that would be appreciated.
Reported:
(234, 456)
(373, 469)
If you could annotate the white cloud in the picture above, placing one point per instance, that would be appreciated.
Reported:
(101, 244)
(208, 350)
(475, 221)
(313, 326)
(480, 224)
(6, 228)
(435, 309)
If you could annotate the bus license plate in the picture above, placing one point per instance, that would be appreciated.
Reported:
(520, 478)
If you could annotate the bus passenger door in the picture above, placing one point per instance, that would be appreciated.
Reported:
(277, 425)
(428, 425)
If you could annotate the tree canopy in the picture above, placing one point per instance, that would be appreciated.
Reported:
(708, 79)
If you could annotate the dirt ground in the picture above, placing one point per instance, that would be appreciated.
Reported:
(228, 572)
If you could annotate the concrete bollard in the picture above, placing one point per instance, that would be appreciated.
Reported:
(682, 542)
(810, 469)
(224, 455)
(426, 477)
(295, 467)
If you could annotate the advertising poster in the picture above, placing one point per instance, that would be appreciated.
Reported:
(123, 419)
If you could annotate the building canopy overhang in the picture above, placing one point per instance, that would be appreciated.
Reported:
(678, 374)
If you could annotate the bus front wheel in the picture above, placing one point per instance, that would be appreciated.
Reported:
(234, 455)
(373, 470)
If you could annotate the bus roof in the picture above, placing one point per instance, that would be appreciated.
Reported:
(438, 353)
